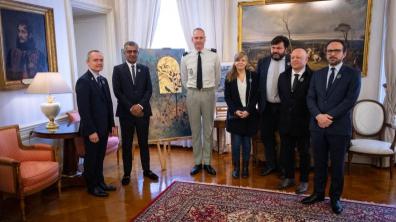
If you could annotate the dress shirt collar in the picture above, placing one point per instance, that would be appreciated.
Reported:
(299, 72)
(130, 64)
(95, 74)
(337, 67)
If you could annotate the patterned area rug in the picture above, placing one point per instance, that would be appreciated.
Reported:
(188, 201)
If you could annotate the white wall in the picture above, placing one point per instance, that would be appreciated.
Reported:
(16, 107)
(90, 33)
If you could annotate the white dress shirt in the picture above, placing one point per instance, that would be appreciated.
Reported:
(275, 68)
(242, 90)
(130, 70)
(299, 75)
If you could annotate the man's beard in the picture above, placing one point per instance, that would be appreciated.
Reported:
(277, 56)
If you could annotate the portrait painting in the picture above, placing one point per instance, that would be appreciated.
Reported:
(27, 43)
(308, 24)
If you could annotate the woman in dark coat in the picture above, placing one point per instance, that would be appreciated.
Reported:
(241, 97)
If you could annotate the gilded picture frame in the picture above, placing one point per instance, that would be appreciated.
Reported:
(27, 39)
(309, 24)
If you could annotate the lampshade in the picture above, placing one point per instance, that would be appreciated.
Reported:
(49, 83)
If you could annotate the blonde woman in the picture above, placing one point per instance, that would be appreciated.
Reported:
(241, 97)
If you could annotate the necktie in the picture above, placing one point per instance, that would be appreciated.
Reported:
(101, 83)
(295, 81)
(199, 72)
(133, 74)
(331, 78)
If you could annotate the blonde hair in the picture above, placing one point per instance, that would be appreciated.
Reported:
(233, 73)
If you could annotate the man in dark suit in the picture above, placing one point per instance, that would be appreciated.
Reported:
(293, 87)
(132, 87)
(332, 93)
(268, 70)
(97, 121)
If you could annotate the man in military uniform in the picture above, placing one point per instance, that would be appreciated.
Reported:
(201, 74)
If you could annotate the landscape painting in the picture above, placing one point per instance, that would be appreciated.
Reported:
(309, 25)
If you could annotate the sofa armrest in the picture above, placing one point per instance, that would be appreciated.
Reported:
(8, 161)
(8, 173)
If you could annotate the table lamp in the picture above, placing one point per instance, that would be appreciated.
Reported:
(49, 83)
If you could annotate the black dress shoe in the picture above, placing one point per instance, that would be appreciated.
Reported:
(107, 187)
(286, 183)
(196, 169)
(98, 192)
(267, 171)
(336, 206)
(314, 198)
(150, 175)
(125, 180)
(209, 169)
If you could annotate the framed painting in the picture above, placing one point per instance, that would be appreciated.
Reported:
(308, 24)
(225, 68)
(27, 43)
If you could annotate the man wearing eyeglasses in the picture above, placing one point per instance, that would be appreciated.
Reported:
(133, 89)
(333, 92)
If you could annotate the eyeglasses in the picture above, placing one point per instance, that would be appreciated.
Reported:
(329, 51)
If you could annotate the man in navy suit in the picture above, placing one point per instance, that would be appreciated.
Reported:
(293, 87)
(132, 87)
(332, 93)
(268, 70)
(97, 121)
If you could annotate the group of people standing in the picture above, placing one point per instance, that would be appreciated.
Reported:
(307, 109)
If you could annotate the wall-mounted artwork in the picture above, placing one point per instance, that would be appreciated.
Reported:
(27, 43)
(168, 101)
(225, 68)
(308, 24)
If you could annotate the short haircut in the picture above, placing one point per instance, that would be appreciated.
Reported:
(131, 43)
(198, 29)
(339, 41)
(300, 48)
(280, 38)
(92, 51)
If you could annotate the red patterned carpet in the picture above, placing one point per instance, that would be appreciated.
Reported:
(188, 201)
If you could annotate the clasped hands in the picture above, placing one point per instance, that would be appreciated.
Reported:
(241, 114)
(136, 110)
(324, 120)
(94, 137)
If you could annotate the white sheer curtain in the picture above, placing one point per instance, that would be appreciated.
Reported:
(137, 20)
(390, 65)
(211, 15)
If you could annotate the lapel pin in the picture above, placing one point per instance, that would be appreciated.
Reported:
(301, 79)
(138, 70)
(338, 76)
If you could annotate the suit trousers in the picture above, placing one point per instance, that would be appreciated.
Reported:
(201, 108)
(268, 127)
(288, 146)
(93, 161)
(323, 145)
(127, 131)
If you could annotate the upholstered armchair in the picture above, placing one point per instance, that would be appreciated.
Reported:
(25, 170)
(112, 143)
(369, 123)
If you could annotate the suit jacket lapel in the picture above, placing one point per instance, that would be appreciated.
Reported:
(337, 79)
(301, 80)
(288, 82)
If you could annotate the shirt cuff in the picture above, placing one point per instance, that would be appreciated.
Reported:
(140, 106)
